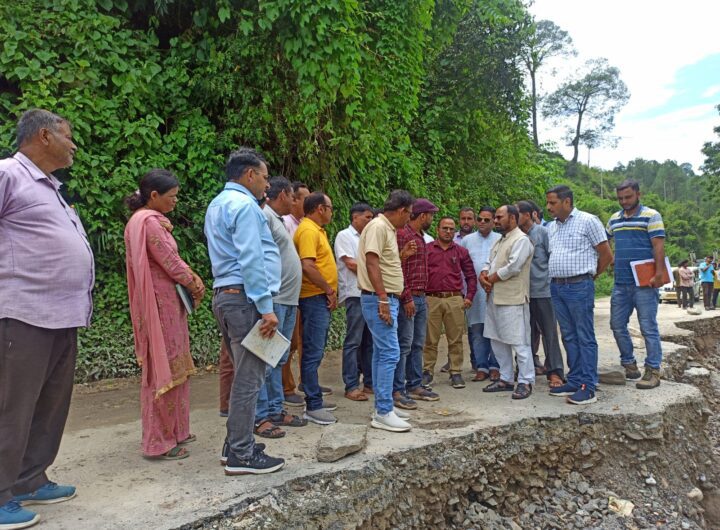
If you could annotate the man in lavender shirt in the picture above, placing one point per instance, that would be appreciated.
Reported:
(46, 281)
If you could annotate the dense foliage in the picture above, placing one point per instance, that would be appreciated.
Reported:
(355, 98)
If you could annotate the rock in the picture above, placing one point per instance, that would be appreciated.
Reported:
(695, 495)
(339, 440)
(650, 481)
(582, 487)
(613, 376)
(694, 311)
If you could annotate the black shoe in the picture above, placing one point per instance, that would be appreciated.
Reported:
(257, 464)
(456, 381)
(427, 379)
(226, 451)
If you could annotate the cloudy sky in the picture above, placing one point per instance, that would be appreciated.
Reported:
(668, 53)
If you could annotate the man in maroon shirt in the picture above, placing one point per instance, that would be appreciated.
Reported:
(448, 264)
(412, 317)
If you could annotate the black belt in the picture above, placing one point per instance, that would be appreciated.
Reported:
(573, 279)
(372, 293)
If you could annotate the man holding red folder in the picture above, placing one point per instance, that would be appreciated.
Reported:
(639, 234)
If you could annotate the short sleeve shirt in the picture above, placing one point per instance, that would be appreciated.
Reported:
(633, 239)
(572, 244)
(346, 245)
(311, 242)
(380, 237)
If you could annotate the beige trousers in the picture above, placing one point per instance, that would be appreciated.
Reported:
(450, 314)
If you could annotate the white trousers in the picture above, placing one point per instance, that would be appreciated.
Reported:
(504, 355)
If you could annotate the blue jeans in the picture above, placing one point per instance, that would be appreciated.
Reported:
(624, 299)
(357, 347)
(574, 305)
(482, 349)
(386, 349)
(411, 337)
(270, 399)
(316, 323)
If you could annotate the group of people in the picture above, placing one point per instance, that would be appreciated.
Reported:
(505, 277)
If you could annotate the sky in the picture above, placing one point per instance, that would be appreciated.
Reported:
(668, 53)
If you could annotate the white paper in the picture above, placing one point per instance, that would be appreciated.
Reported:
(269, 350)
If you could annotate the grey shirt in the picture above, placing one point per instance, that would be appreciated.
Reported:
(539, 270)
(291, 277)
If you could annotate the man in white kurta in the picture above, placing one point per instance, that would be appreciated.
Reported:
(506, 279)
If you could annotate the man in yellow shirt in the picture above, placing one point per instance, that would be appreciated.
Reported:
(318, 297)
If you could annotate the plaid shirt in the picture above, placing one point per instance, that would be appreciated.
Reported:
(414, 268)
(572, 244)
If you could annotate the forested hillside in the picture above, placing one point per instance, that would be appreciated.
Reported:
(353, 97)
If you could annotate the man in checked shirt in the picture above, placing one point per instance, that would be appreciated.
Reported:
(412, 317)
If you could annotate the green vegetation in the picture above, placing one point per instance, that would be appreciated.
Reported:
(353, 97)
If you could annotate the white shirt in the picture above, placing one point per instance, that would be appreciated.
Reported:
(346, 245)
(572, 244)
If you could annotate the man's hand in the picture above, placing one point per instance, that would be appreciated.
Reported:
(409, 308)
(331, 300)
(485, 282)
(384, 312)
(269, 325)
(408, 250)
(467, 303)
(657, 281)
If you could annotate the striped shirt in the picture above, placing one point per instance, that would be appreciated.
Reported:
(633, 237)
(572, 244)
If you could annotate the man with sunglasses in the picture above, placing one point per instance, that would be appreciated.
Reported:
(448, 265)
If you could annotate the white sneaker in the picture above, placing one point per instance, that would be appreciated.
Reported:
(389, 422)
(401, 414)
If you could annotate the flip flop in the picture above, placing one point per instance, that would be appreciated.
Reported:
(555, 381)
(176, 453)
(188, 440)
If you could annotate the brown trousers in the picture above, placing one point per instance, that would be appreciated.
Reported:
(288, 380)
(37, 367)
(227, 373)
(450, 313)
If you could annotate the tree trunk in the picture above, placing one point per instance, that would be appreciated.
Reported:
(576, 140)
(534, 109)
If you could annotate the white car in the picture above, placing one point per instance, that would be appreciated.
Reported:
(668, 292)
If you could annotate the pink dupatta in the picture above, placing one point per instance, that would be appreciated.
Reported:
(150, 348)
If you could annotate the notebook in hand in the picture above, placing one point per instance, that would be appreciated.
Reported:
(644, 270)
(269, 350)
(186, 298)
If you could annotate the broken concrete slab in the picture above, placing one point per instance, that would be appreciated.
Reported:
(340, 440)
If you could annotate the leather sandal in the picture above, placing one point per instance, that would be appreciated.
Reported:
(522, 391)
(286, 419)
(555, 381)
(499, 386)
(268, 429)
(480, 376)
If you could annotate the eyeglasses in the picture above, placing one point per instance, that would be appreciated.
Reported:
(448, 228)
(483, 220)
(328, 206)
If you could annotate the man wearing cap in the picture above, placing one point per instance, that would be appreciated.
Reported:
(412, 317)
(448, 265)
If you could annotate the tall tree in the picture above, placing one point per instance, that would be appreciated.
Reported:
(592, 99)
(711, 150)
(546, 40)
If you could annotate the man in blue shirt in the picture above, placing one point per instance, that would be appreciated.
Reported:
(639, 234)
(246, 269)
(707, 271)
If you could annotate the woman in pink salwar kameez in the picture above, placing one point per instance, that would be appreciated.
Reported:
(162, 339)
